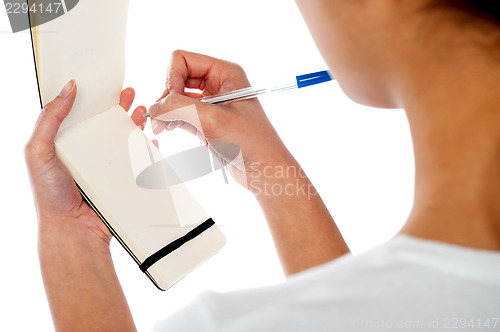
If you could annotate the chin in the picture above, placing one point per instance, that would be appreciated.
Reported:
(368, 93)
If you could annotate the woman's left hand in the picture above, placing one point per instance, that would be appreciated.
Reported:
(58, 202)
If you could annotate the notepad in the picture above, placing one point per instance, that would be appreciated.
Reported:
(163, 229)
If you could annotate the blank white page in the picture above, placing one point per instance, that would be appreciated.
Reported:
(86, 44)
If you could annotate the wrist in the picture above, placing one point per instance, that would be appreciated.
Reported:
(75, 233)
(286, 179)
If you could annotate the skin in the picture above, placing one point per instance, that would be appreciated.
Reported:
(432, 65)
(452, 109)
(246, 124)
(80, 281)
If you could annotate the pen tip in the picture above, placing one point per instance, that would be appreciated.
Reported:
(146, 115)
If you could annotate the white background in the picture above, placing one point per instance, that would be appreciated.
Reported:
(360, 159)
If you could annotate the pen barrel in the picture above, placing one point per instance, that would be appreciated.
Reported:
(284, 86)
(313, 79)
(232, 96)
(252, 92)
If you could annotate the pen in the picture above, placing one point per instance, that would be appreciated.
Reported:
(298, 83)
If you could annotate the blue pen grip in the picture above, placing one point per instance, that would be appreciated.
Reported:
(312, 79)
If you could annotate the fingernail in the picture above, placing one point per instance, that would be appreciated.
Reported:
(67, 89)
(153, 110)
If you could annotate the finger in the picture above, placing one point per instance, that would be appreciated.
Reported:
(164, 94)
(186, 127)
(169, 104)
(191, 83)
(173, 125)
(179, 108)
(158, 126)
(52, 116)
(137, 117)
(156, 143)
(196, 83)
(127, 98)
(185, 65)
(193, 95)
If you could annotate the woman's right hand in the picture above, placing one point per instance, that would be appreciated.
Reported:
(295, 213)
(239, 133)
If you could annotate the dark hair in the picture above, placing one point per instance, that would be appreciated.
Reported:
(477, 20)
(489, 8)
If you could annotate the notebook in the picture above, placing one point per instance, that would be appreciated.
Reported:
(164, 229)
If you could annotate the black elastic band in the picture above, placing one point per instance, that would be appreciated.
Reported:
(176, 244)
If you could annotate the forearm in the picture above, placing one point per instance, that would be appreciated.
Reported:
(304, 233)
(82, 288)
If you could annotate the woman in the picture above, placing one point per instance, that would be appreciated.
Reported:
(436, 59)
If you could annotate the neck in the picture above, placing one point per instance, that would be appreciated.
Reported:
(454, 116)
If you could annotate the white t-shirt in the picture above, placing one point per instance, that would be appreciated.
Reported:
(405, 284)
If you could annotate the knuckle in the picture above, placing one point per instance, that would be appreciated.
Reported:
(177, 53)
(176, 64)
(176, 57)
(172, 102)
(213, 119)
(50, 108)
(236, 77)
(235, 71)
(209, 124)
(28, 150)
(53, 110)
(237, 68)
(31, 150)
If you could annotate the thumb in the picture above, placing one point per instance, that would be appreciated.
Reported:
(52, 116)
(178, 109)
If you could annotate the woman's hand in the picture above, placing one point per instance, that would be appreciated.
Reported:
(80, 281)
(57, 199)
(239, 133)
(294, 211)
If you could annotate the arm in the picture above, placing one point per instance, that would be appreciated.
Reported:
(303, 231)
(82, 288)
